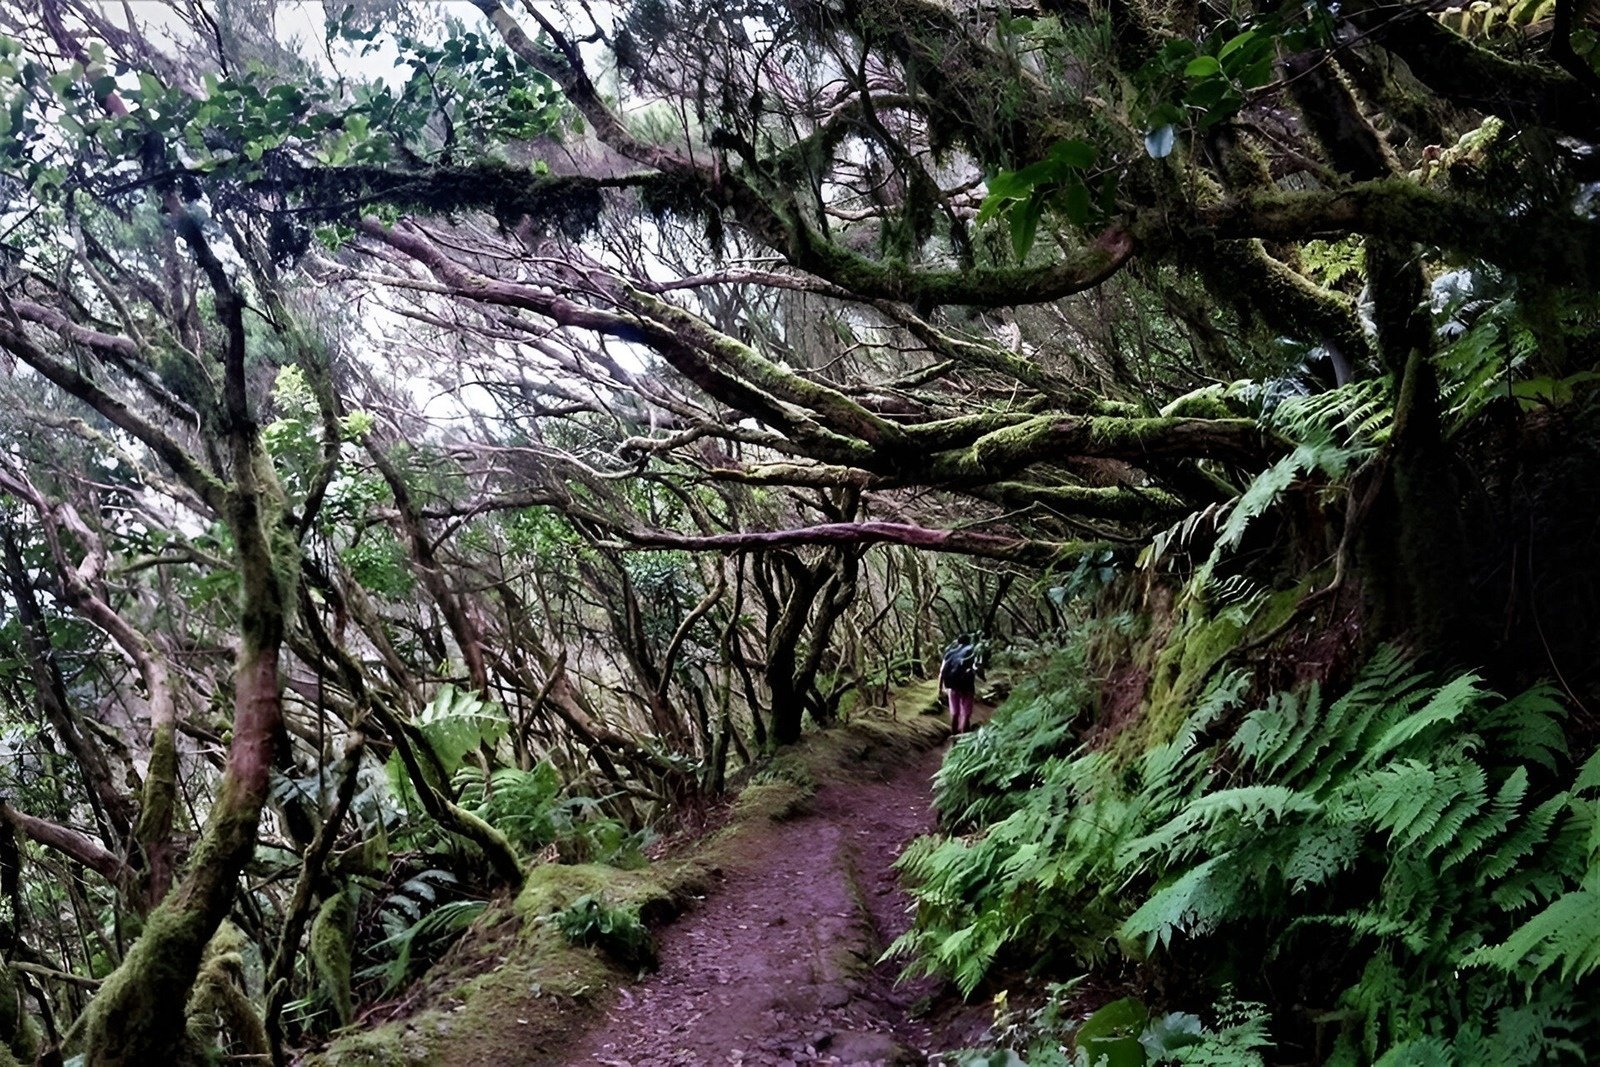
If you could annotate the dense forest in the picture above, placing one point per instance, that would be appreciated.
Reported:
(447, 441)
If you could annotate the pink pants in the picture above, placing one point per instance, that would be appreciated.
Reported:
(960, 710)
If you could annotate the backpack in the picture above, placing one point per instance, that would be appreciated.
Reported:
(960, 667)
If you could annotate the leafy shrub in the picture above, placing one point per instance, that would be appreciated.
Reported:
(418, 926)
(989, 770)
(1044, 880)
(619, 932)
(520, 804)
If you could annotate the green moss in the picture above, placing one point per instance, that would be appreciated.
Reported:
(1207, 402)
(18, 1035)
(331, 933)
(778, 801)
(568, 205)
(1202, 640)
(138, 1014)
(916, 698)
(220, 1005)
(515, 987)
(160, 788)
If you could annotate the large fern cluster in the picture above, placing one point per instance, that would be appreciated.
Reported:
(1416, 819)
(1043, 879)
(988, 773)
(1416, 828)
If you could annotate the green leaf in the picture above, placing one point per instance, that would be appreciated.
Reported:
(1043, 172)
(1256, 74)
(1024, 225)
(1171, 1032)
(1203, 67)
(1075, 204)
(1074, 153)
(1208, 94)
(1235, 43)
(1120, 1018)
(1111, 1035)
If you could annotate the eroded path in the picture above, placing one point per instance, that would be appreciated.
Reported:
(776, 966)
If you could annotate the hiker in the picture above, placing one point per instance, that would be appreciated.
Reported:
(958, 676)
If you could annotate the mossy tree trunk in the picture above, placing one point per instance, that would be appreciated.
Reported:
(1415, 542)
(137, 1017)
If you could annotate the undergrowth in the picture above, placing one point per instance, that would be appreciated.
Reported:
(617, 931)
(1419, 854)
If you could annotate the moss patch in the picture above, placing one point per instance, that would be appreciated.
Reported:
(1184, 664)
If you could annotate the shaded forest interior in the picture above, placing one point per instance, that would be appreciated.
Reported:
(451, 450)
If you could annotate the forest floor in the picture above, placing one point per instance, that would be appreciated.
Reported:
(779, 965)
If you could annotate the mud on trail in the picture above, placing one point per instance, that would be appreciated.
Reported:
(777, 965)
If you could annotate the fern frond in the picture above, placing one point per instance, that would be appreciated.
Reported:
(1588, 775)
(1564, 935)
(1255, 807)
(1284, 737)
(1529, 727)
(1520, 841)
(1423, 1052)
(1320, 854)
(1493, 821)
(1358, 412)
(1409, 799)
(1446, 705)
(1189, 903)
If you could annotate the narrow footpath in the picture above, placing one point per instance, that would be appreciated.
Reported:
(777, 966)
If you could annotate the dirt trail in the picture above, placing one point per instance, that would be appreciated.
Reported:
(776, 966)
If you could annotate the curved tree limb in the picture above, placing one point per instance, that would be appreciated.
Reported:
(961, 542)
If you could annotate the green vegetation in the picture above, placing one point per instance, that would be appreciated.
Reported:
(591, 921)
(449, 451)
(1409, 830)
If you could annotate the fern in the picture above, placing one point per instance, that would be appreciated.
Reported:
(520, 804)
(414, 919)
(1486, 18)
(1411, 819)
(1044, 877)
(1331, 262)
(1359, 414)
(618, 931)
(1564, 935)
(1195, 902)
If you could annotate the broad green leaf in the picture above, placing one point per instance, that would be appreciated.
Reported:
(1024, 225)
(1120, 1018)
(1235, 43)
(1074, 153)
(1075, 204)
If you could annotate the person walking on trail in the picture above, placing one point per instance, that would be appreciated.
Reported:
(958, 677)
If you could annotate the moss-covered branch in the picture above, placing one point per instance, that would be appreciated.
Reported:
(1476, 77)
(1548, 242)
(959, 542)
(1115, 502)
(1049, 437)
(1077, 272)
